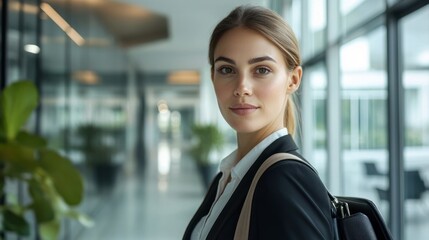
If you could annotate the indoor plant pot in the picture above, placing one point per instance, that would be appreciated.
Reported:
(207, 139)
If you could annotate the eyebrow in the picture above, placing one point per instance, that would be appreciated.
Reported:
(225, 59)
(261, 59)
(251, 61)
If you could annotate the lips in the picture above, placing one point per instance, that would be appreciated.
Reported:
(243, 109)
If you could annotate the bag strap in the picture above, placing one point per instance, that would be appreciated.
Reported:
(243, 224)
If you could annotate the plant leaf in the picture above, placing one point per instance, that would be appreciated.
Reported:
(66, 178)
(17, 102)
(30, 140)
(49, 230)
(15, 223)
(20, 158)
(43, 210)
(41, 204)
(85, 220)
(35, 190)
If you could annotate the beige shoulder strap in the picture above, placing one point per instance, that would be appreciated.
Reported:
(242, 228)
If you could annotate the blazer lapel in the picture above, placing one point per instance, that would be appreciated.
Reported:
(204, 207)
(283, 144)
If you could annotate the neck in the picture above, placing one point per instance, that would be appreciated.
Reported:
(247, 141)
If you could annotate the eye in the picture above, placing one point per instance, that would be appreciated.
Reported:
(263, 70)
(225, 70)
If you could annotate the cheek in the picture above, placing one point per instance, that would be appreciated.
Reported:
(275, 91)
(221, 93)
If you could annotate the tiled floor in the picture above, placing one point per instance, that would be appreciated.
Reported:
(154, 205)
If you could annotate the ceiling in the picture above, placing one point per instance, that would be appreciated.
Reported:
(190, 23)
(160, 36)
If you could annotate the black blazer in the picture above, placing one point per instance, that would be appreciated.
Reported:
(290, 202)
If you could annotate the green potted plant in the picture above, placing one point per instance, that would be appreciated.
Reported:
(99, 153)
(52, 183)
(207, 138)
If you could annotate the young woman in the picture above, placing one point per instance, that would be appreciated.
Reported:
(255, 69)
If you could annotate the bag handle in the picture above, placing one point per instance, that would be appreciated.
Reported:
(243, 224)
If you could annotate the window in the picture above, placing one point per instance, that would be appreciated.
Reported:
(315, 99)
(314, 39)
(415, 81)
(292, 14)
(363, 80)
(354, 12)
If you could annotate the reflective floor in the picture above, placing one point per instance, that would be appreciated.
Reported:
(156, 204)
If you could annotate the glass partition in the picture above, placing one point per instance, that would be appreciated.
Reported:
(415, 80)
(292, 13)
(364, 122)
(54, 78)
(314, 35)
(354, 12)
(316, 76)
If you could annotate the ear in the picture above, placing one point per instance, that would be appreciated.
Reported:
(294, 80)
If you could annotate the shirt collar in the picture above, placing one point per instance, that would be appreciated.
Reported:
(240, 168)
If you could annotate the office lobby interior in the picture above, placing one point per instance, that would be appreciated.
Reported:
(122, 85)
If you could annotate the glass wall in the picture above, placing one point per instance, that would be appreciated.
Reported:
(291, 12)
(345, 46)
(355, 12)
(315, 104)
(54, 44)
(85, 98)
(86, 105)
(314, 27)
(364, 116)
(20, 57)
(415, 80)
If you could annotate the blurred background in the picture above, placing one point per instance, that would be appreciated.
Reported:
(126, 94)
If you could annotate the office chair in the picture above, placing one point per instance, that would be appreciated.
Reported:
(414, 187)
(372, 170)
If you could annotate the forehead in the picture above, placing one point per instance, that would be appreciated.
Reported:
(244, 43)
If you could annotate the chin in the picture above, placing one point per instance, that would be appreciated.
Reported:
(243, 127)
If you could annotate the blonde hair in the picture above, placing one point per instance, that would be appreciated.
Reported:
(273, 27)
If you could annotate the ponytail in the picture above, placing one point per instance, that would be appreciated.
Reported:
(290, 115)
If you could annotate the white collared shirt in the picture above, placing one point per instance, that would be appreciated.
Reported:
(230, 167)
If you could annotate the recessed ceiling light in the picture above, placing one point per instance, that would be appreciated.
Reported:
(86, 76)
(184, 77)
(32, 48)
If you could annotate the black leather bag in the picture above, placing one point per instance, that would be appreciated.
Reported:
(359, 218)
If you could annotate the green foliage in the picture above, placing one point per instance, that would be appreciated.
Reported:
(52, 182)
(17, 102)
(208, 138)
(96, 150)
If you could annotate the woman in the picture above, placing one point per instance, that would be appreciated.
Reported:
(255, 69)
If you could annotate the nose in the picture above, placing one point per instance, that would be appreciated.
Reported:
(243, 87)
